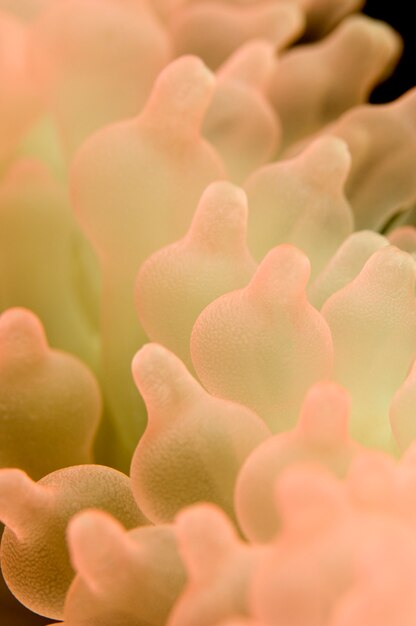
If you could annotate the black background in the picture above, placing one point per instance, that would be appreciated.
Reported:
(398, 14)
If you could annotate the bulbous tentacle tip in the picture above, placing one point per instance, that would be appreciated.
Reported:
(326, 161)
(391, 266)
(21, 335)
(185, 276)
(220, 221)
(20, 498)
(198, 519)
(389, 270)
(373, 327)
(97, 545)
(251, 64)
(360, 30)
(50, 403)
(206, 538)
(35, 559)
(246, 326)
(181, 95)
(89, 527)
(146, 354)
(137, 574)
(325, 413)
(162, 380)
(284, 272)
(345, 265)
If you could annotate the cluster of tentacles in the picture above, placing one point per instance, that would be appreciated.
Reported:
(208, 328)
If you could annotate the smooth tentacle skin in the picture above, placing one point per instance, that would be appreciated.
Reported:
(240, 122)
(381, 140)
(345, 265)
(265, 345)
(207, 315)
(382, 293)
(183, 278)
(301, 201)
(321, 436)
(43, 390)
(35, 560)
(305, 566)
(194, 444)
(219, 567)
(311, 71)
(124, 578)
(105, 57)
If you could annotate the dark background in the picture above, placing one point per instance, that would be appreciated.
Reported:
(398, 14)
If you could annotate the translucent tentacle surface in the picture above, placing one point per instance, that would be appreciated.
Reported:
(321, 436)
(194, 444)
(302, 202)
(265, 345)
(305, 91)
(282, 311)
(373, 326)
(219, 568)
(345, 265)
(240, 123)
(104, 56)
(34, 556)
(334, 562)
(177, 282)
(308, 567)
(382, 142)
(123, 578)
